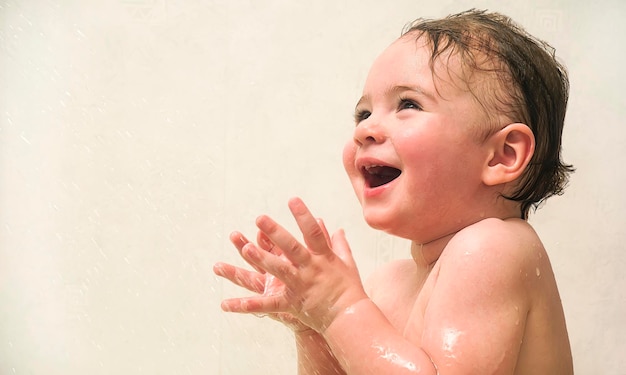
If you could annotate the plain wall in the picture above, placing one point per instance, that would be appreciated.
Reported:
(136, 134)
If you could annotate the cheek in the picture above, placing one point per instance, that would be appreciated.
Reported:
(349, 154)
(439, 162)
(418, 148)
(427, 156)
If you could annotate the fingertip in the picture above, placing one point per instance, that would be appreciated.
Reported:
(294, 200)
(339, 238)
(261, 220)
(237, 238)
(340, 232)
(249, 251)
(218, 269)
(297, 206)
(322, 225)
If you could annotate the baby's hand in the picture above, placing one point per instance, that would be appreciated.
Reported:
(258, 282)
(319, 280)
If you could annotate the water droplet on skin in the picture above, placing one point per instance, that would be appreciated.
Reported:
(387, 354)
(450, 339)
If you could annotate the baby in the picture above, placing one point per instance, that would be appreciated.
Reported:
(457, 138)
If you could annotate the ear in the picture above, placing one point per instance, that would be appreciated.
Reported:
(510, 151)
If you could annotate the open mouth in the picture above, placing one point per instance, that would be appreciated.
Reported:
(379, 175)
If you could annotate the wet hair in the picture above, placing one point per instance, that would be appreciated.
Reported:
(531, 87)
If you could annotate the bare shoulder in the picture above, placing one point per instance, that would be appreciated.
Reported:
(503, 257)
(504, 248)
(511, 234)
(494, 288)
(492, 261)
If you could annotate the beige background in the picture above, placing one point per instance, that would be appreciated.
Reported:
(136, 134)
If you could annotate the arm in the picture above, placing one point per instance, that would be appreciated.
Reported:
(314, 355)
(368, 344)
(323, 290)
(474, 318)
(479, 299)
(478, 302)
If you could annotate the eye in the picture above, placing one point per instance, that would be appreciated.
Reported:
(361, 115)
(408, 104)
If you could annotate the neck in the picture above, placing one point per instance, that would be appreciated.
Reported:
(426, 254)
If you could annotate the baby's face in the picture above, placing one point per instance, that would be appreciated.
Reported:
(415, 161)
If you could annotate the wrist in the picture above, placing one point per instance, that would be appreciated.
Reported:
(355, 314)
(307, 340)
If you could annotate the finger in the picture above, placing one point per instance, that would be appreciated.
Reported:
(266, 244)
(320, 222)
(275, 265)
(239, 240)
(288, 244)
(314, 235)
(253, 281)
(342, 249)
(264, 241)
(270, 304)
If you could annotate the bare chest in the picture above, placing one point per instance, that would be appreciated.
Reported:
(404, 303)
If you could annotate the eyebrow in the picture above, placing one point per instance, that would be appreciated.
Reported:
(397, 89)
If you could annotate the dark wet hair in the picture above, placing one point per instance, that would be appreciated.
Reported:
(533, 88)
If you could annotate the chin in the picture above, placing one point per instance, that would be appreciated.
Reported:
(394, 225)
(376, 220)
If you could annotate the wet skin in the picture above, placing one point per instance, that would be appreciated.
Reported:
(478, 294)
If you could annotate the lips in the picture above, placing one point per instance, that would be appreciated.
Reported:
(376, 175)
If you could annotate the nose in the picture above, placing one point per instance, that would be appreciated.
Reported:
(369, 131)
